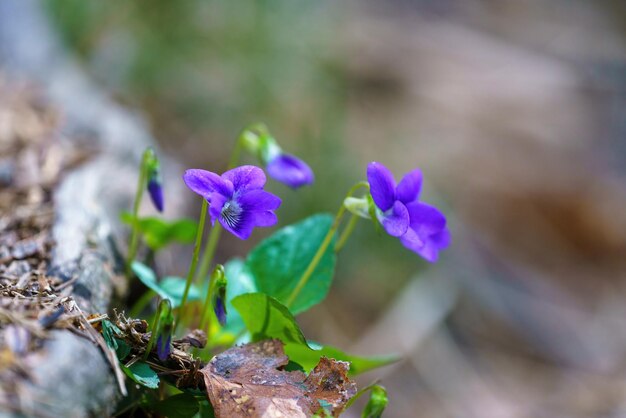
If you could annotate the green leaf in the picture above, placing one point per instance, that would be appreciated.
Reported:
(174, 287)
(206, 410)
(265, 317)
(158, 233)
(109, 332)
(377, 403)
(279, 261)
(182, 405)
(308, 358)
(123, 349)
(171, 288)
(142, 374)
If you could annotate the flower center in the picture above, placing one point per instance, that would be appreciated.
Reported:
(231, 213)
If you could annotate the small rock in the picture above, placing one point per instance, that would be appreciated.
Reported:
(25, 248)
(17, 268)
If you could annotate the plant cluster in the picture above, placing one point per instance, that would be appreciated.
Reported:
(256, 298)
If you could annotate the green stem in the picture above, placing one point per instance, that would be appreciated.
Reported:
(206, 310)
(194, 262)
(316, 258)
(323, 246)
(134, 237)
(141, 303)
(153, 333)
(209, 251)
(346, 233)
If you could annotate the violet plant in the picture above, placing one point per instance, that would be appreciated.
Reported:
(288, 272)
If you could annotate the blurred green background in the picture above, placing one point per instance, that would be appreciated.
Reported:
(515, 111)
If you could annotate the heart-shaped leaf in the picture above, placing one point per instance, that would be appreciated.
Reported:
(158, 233)
(265, 317)
(279, 261)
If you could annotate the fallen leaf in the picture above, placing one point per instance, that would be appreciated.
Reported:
(250, 381)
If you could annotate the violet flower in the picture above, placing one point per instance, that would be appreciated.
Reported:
(219, 307)
(237, 199)
(163, 346)
(165, 328)
(420, 227)
(219, 297)
(152, 167)
(156, 192)
(290, 170)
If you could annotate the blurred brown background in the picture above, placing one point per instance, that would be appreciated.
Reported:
(516, 113)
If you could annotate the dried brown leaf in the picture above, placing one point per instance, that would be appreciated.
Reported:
(250, 381)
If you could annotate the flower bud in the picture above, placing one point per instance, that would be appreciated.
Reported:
(377, 403)
(358, 206)
(219, 299)
(152, 166)
(165, 328)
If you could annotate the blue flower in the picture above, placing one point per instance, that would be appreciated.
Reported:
(290, 170)
(163, 346)
(153, 172)
(237, 199)
(420, 227)
(156, 193)
(219, 307)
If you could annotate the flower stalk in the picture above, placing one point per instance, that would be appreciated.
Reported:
(194, 262)
(304, 279)
(134, 237)
(214, 300)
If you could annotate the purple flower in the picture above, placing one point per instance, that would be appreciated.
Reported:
(236, 197)
(156, 193)
(219, 307)
(152, 166)
(163, 346)
(290, 170)
(420, 227)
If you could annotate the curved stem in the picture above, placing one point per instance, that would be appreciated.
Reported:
(346, 233)
(209, 251)
(155, 327)
(323, 246)
(194, 262)
(316, 258)
(134, 237)
(206, 309)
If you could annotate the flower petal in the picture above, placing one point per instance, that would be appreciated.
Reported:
(411, 240)
(217, 204)
(242, 229)
(429, 252)
(205, 182)
(396, 220)
(265, 218)
(427, 249)
(382, 185)
(442, 239)
(290, 170)
(246, 177)
(426, 220)
(409, 188)
(258, 200)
